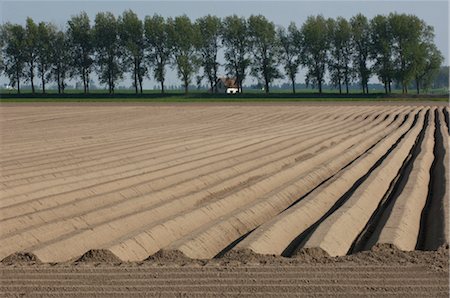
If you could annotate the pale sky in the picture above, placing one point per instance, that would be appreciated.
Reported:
(434, 13)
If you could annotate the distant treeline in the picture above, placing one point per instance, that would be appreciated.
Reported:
(397, 48)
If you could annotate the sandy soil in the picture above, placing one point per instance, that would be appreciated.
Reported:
(385, 271)
(349, 194)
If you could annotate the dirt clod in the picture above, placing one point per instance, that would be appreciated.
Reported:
(99, 255)
(21, 258)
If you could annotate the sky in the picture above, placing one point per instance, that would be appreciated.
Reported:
(434, 13)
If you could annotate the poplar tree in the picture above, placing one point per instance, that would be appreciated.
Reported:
(131, 32)
(183, 36)
(290, 43)
(208, 45)
(31, 50)
(314, 53)
(158, 46)
(235, 38)
(265, 49)
(13, 53)
(82, 48)
(108, 50)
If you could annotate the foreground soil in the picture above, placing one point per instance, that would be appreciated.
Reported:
(385, 272)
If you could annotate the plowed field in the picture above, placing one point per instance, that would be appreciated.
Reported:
(124, 183)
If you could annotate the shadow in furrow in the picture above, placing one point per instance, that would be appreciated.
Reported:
(235, 242)
(431, 233)
(232, 244)
(446, 120)
(371, 232)
(298, 242)
(347, 165)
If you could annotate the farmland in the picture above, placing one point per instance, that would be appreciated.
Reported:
(126, 182)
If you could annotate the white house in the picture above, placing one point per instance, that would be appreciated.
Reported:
(226, 85)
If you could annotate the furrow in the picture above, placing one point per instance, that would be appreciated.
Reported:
(335, 235)
(104, 168)
(134, 189)
(434, 219)
(275, 236)
(402, 226)
(138, 220)
(279, 158)
(148, 242)
(214, 239)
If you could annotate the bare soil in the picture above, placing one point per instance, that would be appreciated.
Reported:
(318, 199)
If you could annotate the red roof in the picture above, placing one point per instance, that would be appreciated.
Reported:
(228, 82)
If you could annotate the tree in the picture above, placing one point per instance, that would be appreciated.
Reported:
(235, 38)
(411, 40)
(158, 46)
(266, 49)
(361, 45)
(381, 50)
(2, 46)
(442, 78)
(208, 44)
(108, 50)
(427, 65)
(314, 51)
(44, 39)
(60, 55)
(340, 52)
(131, 32)
(81, 43)
(13, 53)
(290, 42)
(183, 36)
(30, 49)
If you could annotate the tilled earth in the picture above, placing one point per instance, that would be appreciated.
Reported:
(387, 272)
(198, 200)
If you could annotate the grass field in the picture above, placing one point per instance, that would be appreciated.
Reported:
(206, 99)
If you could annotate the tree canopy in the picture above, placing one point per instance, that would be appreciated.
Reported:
(398, 49)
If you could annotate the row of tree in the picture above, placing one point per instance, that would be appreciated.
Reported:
(396, 48)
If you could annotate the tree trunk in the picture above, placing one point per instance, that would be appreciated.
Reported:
(58, 82)
(110, 83)
(266, 87)
(215, 79)
(320, 86)
(43, 83)
(18, 81)
(417, 85)
(340, 87)
(135, 76)
(162, 86)
(83, 76)
(32, 79)
(346, 87)
(87, 81)
(293, 85)
(239, 83)
(186, 87)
